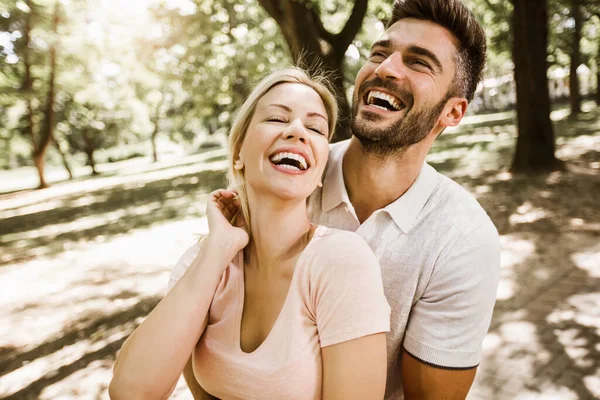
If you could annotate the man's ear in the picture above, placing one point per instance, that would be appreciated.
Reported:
(454, 111)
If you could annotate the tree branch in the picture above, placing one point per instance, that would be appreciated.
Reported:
(323, 33)
(494, 7)
(272, 8)
(353, 25)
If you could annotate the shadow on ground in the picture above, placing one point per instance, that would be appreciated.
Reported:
(92, 325)
(105, 214)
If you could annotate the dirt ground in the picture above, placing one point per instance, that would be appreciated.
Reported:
(83, 262)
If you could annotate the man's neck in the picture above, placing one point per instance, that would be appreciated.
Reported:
(373, 182)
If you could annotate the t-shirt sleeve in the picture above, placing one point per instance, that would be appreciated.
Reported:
(347, 291)
(449, 321)
(183, 264)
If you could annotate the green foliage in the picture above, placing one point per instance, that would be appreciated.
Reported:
(182, 68)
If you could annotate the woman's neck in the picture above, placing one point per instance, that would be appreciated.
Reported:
(280, 229)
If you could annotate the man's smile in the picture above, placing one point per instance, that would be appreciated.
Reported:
(384, 101)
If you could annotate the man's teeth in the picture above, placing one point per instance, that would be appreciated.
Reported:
(293, 156)
(374, 94)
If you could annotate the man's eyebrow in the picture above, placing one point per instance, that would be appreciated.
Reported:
(382, 43)
(426, 53)
(288, 109)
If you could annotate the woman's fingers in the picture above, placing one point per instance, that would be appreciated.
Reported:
(227, 202)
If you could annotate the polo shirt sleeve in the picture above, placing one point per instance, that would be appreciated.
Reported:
(183, 264)
(347, 295)
(449, 321)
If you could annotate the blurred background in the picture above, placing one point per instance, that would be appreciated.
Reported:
(113, 127)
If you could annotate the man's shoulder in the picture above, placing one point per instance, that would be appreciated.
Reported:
(455, 205)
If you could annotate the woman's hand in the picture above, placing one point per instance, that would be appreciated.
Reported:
(227, 228)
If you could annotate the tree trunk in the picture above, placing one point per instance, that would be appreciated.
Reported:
(535, 141)
(313, 47)
(63, 157)
(28, 91)
(156, 122)
(153, 140)
(90, 160)
(598, 74)
(574, 92)
(38, 161)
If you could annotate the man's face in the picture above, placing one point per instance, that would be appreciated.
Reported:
(402, 89)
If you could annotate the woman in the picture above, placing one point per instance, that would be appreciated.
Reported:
(273, 307)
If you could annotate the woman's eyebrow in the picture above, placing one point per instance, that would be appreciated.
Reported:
(283, 106)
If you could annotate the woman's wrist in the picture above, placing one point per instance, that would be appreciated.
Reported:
(221, 250)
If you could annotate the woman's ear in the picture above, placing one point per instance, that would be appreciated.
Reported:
(238, 164)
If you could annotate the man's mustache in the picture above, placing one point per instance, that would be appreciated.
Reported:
(404, 95)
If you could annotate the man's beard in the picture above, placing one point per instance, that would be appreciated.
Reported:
(413, 128)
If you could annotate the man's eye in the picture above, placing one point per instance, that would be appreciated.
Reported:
(377, 57)
(421, 63)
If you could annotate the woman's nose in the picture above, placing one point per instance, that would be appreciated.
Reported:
(295, 130)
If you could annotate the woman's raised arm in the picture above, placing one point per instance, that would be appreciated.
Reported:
(153, 357)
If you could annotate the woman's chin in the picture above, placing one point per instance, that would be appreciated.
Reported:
(287, 193)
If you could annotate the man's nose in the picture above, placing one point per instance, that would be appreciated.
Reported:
(296, 130)
(391, 68)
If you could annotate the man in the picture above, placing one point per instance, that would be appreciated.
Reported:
(438, 249)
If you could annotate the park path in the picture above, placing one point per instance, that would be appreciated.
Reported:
(77, 277)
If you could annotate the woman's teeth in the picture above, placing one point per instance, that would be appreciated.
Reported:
(291, 156)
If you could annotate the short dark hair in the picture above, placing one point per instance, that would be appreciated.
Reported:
(460, 21)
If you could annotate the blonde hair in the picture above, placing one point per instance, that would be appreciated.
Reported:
(237, 134)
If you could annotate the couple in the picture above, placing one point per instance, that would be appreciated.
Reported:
(272, 306)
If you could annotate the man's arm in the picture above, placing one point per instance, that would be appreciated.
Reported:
(443, 341)
(423, 382)
(195, 388)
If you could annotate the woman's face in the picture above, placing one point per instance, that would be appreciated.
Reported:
(286, 145)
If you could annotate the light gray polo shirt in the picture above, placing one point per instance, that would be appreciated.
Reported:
(439, 254)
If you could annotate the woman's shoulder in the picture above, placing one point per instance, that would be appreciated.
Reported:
(328, 237)
(341, 248)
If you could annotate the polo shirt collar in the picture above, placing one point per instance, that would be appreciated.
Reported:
(403, 211)
(334, 189)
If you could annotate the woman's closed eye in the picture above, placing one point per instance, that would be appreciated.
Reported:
(316, 129)
(276, 119)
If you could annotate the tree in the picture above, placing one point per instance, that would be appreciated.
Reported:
(535, 150)
(93, 126)
(42, 139)
(300, 22)
(598, 72)
(574, 90)
(34, 70)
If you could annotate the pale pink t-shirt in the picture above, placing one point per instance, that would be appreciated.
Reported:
(335, 295)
